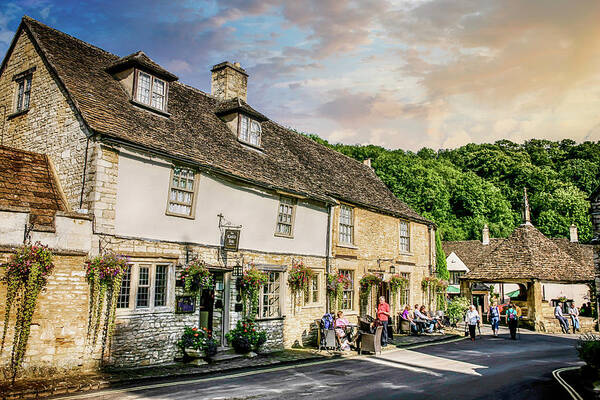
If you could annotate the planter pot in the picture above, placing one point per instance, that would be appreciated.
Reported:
(197, 356)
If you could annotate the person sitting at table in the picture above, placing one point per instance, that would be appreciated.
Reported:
(406, 315)
(422, 317)
(340, 325)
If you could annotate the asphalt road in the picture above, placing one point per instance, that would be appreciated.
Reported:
(489, 368)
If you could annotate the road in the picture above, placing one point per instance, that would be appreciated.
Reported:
(489, 368)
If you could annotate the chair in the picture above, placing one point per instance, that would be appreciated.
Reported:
(371, 342)
(403, 325)
(326, 338)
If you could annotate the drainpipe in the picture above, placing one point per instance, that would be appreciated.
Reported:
(327, 261)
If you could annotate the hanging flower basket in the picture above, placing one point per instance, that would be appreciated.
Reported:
(196, 276)
(336, 284)
(249, 286)
(26, 275)
(366, 284)
(299, 278)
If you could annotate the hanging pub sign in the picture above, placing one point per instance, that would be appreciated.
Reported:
(231, 240)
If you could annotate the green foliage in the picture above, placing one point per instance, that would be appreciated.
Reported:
(26, 275)
(456, 309)
(198, 339)
(588, 350)
(462, 189)
(336, 283)
(366, 284)
(397, 283)
(299, 279)
(196, 277)
(249, 286)
(104, 274)
(246, 336)
(440, 259)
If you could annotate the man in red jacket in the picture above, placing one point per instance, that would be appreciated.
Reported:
(383, 314)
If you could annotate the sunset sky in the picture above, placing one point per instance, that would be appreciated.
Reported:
(401, 74)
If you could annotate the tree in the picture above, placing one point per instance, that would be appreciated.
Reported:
(440, 259)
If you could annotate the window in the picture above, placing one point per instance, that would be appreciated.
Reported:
(454, 275)
(269, 300)
(346, 224)
(182, 192)
(312, 294)
(285, 217)
(249, 131)
(404, 236)
(151, 90)
(405, 292)
(348, 295)
(145, 286)
(23, 92)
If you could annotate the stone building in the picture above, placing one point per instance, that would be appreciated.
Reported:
(32, 207)
(528, 269)
(169, 173)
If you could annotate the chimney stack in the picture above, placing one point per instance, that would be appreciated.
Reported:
(485, 235)
(573, 233)
(229, 81)
(367, 162)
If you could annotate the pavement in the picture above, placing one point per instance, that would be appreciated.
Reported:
(489, 368)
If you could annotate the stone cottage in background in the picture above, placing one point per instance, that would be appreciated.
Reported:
(167, 173)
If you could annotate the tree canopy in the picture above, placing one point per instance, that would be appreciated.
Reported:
(462, 189)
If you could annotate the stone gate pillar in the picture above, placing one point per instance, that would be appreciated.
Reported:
(534, 303)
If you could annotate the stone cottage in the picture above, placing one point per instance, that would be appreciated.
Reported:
(168, 173)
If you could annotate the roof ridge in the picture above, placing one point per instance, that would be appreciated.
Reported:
(28, 19)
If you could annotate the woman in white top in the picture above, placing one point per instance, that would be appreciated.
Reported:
(472, 319)
(574, 313)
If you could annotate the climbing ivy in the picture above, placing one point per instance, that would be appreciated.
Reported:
(25, 277)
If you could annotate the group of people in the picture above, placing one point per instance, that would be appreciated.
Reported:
(420, 320)
(473, 320)
(573, 313)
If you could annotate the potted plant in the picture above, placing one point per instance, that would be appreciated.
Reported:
(249, 286)
(299, 279)
(196, 276)
(366, 284)
(197, 344)
(336, 284)
(246, 336)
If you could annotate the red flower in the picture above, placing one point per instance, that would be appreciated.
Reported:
(195, 334)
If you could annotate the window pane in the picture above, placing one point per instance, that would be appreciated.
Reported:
(315, 289)
(181, 192)
(143, 287)
(244, 134)
(346, 224)
(143, 86)
(160, 286)
(270, 297)
(255, 132)
(348, 294)
(158, 93)
(20, 91)
(284, 216)
(123, 300)
(405, 293)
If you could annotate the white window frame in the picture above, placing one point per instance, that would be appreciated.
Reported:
(346, 230)
(405, 291)
(246, 127)
(287, 203)
(309, 295)
(352, 274)
(192, 193)
(150, 102)
(23, 99)
(134, 267)
(280, 303)
(404, 240)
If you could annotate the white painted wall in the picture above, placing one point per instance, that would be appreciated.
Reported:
(578, 293)
(142, 191)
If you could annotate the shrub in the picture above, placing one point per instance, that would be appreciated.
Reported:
(246, 336)
(588, 350)
(456, 309)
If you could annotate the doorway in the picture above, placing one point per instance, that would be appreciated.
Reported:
(212, 308)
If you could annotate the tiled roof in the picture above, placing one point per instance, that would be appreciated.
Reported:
(27, 181)
(237, 104)
(471, 252)
(528, 254)
(194, 132)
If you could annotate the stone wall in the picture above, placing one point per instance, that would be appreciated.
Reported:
(50, 126)
(59, 329)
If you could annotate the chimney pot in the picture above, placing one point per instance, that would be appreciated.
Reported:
(573, 233)
(229, 81)
(485, 235)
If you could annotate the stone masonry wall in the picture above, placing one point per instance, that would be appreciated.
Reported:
(58, 332)
(50, 126)
(101, 190)
(376, 248)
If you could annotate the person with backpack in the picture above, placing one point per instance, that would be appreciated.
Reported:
(512, 320)
(493, 316)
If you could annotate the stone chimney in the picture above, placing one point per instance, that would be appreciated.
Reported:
(229, 81)
(367, 162)
(573, 233)
(485, 235)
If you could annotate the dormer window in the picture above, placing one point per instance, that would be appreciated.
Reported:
(249, 131)
(151, 91)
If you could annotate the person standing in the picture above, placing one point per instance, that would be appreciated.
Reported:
(512, 320)
(574, 313)
(472, 319)
(558, 314)
(383, 314)
(493, 316)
